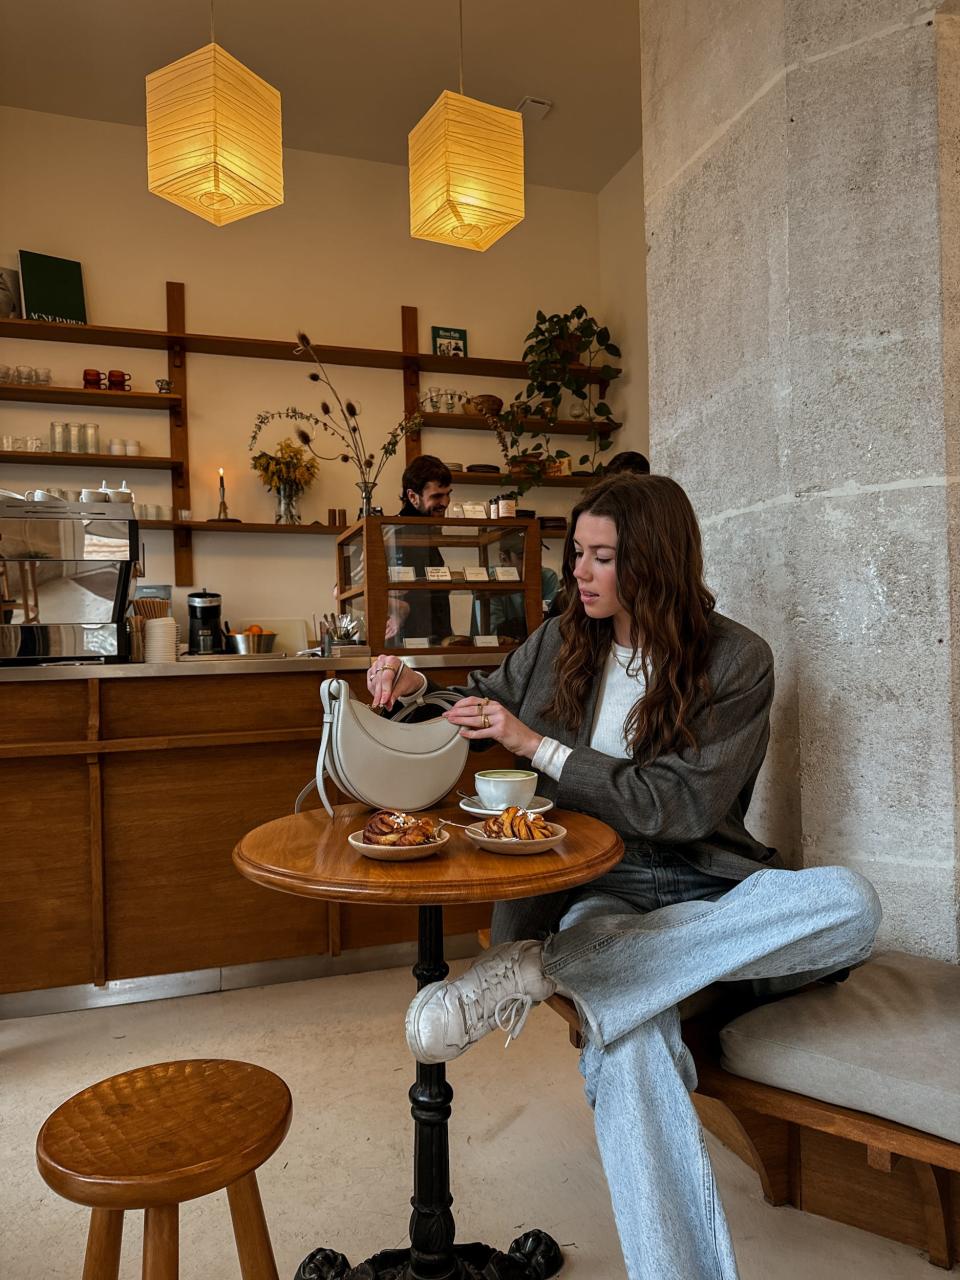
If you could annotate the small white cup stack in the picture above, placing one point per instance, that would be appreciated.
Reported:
(160, 640)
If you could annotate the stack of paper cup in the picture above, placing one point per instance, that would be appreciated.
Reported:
(160, 640)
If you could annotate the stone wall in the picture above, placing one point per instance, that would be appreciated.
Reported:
(799, 166)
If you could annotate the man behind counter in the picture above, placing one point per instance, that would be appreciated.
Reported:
(426, 492)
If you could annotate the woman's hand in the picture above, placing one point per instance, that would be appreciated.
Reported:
(483, 718)
(389, 679)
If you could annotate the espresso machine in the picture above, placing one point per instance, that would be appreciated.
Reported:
(203, 611)
(65, 573)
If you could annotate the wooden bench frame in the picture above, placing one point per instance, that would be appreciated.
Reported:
(849, 1166)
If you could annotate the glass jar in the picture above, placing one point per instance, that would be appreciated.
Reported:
(75, 437)
(91, 437)
(58, 437)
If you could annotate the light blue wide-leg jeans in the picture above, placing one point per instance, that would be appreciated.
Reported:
(640, 940)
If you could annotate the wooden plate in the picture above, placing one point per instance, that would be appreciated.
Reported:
(514, 847)
(395, 852)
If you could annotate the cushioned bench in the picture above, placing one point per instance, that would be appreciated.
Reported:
(844, 1098)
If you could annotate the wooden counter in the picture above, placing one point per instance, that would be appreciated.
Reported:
(120, 803)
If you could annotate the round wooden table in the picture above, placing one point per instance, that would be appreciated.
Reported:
(308, 854)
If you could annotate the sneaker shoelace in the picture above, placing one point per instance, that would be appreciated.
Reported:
(511, 1005)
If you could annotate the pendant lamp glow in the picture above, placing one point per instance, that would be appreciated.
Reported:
(466, 173)
(214, 143)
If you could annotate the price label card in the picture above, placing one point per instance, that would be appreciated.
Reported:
(417, 642)
(476, 573)
(486, 642)
(438, 573)
(455, 512)
(506, 573)
(474, 511)
(402, 573)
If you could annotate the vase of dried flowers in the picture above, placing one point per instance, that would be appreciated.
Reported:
(287, 472)
(339, 419)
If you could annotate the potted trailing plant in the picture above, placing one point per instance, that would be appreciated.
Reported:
(527, 451)
(563, 353)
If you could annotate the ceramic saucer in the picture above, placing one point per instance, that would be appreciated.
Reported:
(499, 845)
(539, 804)
(394, 852)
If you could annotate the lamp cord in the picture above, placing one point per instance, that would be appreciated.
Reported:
(461, 44)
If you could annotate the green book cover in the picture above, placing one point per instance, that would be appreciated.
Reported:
(52, 288)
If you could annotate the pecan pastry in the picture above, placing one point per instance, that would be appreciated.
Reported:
(517, 824)
(388, 826)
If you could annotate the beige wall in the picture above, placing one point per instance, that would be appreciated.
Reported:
(336, 260)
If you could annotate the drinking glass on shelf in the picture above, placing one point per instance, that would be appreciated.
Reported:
(75, 437)
(42, 377)
(449, 399)
(58, 437)
(432, 400)
(5, 373)
(91, 437)
(20, 444)
(6, 443)
(35, 444)
(24, 374)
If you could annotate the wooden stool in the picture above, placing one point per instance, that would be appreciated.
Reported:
(156, 1136)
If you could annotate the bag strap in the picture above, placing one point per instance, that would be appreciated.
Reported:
(317, 781)
(437, 698)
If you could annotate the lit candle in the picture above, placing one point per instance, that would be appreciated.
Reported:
(221, 484)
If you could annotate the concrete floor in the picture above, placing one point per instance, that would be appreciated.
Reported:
(522, 1143)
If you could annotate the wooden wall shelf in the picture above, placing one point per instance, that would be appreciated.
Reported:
(95, 461)
(239, 526)
(80, 395)
(562, 427)
(498, 479)
(263, 349)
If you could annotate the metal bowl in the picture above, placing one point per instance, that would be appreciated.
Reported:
(250, 642)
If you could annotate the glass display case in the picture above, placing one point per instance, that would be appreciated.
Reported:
(424, 585)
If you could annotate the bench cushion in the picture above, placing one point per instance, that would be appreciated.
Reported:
(886, 1041)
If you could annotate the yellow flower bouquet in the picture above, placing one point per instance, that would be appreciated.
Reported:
(287, 472)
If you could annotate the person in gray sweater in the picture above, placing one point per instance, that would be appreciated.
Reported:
(643, 706)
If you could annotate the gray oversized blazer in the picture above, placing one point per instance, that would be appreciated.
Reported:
(693, 803)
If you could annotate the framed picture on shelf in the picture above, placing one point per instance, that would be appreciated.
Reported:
(10, 294)
(449, 342)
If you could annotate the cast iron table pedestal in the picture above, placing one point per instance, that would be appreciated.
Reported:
(432, 1254)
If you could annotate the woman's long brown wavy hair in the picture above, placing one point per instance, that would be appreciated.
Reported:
(659, 563)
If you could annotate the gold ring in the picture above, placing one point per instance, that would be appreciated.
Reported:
(485, 723)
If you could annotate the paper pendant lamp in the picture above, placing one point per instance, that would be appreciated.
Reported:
(466, 173)
(214, 143)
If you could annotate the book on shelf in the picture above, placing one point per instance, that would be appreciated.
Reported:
(52, 288)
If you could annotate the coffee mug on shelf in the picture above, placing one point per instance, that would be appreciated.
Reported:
(93, 380)
(117, 380)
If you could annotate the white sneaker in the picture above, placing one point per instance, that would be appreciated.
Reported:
(445, 1018)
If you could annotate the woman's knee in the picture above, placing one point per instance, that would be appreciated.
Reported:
(856, 900)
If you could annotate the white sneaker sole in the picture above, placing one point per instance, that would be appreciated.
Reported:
(414, 1043)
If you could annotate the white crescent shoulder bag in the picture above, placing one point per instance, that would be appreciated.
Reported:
(383, 762)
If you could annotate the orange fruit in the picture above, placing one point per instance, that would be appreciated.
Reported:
(255, 630)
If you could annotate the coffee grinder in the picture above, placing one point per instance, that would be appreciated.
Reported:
(206, 633)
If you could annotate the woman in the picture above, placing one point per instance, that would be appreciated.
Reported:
(643, 706)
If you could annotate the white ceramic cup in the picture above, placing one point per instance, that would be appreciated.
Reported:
(500, 788)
